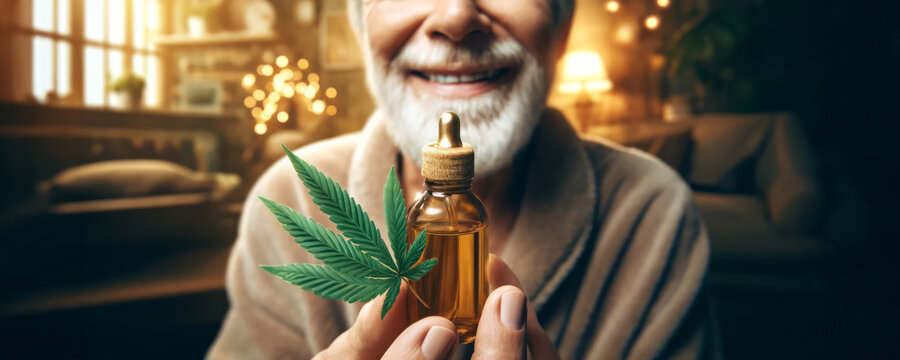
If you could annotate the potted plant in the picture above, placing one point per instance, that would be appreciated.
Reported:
(199, 16)
(130, 90)
(713, 50)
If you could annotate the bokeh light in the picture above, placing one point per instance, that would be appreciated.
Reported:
(281, 61)
(331, 110)
(260, 128)
(318, 107)
(248, 80)
(330, 92)
(266, 70)
(612, 6)
(259, 95)
(282, 116)
(302, 64)
(651, 22)
(249, 102)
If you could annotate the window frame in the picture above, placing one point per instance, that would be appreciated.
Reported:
(21, 26)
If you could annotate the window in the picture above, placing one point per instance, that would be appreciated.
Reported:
(78, 47)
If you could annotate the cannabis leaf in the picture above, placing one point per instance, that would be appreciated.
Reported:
(360, 266)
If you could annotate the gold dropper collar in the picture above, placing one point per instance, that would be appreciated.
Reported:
(448, 159)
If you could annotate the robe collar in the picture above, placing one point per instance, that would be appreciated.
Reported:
(555, 218)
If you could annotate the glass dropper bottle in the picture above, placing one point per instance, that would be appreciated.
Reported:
(457, 234)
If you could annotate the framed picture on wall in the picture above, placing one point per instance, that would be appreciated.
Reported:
(201, 95)
(339, 50)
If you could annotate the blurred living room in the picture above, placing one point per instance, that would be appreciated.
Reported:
(132, 131)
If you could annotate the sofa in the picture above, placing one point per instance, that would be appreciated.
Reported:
(756, 184)
(779, 234)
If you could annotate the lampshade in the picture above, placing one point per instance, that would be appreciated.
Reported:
(583, 71)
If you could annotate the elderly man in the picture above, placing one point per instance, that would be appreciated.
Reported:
(603, 252)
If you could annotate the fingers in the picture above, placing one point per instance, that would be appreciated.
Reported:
(432, 338)
(370, 335)
(501, 330)
(499, 274)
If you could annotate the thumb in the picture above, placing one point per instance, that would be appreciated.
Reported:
(370, 334)
(501, 330)
(499, 274)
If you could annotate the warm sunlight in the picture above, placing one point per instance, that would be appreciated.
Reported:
(101, 41)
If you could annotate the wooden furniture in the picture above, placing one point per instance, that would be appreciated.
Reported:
(99, 278)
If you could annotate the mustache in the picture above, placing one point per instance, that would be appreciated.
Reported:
(488, 54)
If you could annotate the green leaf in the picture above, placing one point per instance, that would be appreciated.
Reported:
(357, 268)
(343, 211)
(415, 251)
(330, 283)
(395, 216)
(391, 297)
(324, 244)
(420, 270)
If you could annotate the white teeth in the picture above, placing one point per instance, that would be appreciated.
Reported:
(461, 78)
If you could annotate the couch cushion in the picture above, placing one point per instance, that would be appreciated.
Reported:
(673, 147)
(125, 178)
(742, 236)
(725, 151)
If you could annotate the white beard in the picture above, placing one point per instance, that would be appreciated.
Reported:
(497, 123)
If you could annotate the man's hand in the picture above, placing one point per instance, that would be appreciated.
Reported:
(508, 322)
(431, 338)
(507, 327)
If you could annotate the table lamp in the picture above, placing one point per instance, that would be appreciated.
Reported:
(584, 76)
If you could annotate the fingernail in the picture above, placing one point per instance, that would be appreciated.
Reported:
(512, 310)
(438, 342)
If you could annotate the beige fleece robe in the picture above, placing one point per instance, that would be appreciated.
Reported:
(608, 245)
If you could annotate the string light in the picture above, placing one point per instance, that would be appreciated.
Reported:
(281, 61)
(663, 3)
(260, 128)
(318, 107)
(270, 109)
(612, 6)
(249, 102)
(248, 80)
(278, 79)
(259, 95)
(651, 22)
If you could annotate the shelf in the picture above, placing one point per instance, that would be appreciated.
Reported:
(214, 39)
(186, 273)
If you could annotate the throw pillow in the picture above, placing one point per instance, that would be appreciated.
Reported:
(123, 179)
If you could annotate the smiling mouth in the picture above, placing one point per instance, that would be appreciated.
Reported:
(460, 83)
(462, 78)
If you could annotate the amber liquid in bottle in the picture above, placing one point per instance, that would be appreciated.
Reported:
(456, 224)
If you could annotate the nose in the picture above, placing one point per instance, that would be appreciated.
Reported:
(455, 19)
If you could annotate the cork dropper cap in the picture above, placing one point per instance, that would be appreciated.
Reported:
(448, 159)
